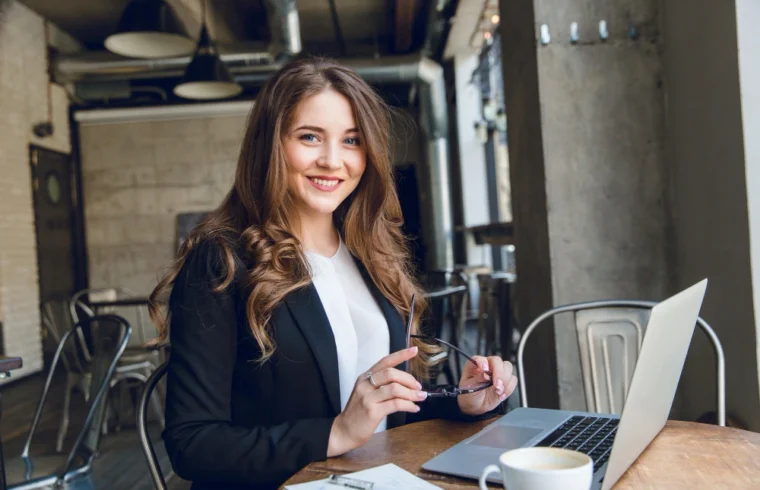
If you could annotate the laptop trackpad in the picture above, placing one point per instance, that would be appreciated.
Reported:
(505, 437)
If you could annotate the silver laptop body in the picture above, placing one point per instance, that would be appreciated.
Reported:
(650, 397)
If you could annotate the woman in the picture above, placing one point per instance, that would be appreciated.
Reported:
(287, 303)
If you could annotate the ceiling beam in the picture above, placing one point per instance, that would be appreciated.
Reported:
(227, 20)
(405, 13)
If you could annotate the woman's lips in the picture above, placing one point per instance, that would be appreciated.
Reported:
(325, 185)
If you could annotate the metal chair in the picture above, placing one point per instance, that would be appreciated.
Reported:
(495, 313)
(447, 295)
(608, 330)
(109, 334)
(142, 426)
(75, 358)
(137, 362)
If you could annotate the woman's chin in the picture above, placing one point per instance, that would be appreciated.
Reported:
(317, 209)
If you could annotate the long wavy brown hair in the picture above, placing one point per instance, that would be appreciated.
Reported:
(256, 218)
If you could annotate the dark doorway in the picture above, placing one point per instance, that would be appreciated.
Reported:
(56, 215)
(409, 196)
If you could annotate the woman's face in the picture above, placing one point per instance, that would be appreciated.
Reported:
(325, 157)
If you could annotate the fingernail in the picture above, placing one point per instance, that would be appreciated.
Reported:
(418, 408)
(503, 397)
(413, 349)
(500, 385)
(422, 395)
(484, 366)
(419, 386)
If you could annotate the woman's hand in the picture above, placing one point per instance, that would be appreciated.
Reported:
(368, 405)
(504, 383)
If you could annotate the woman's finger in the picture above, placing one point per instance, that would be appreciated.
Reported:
(397, 405)
(394, 359)
(511, 385)
(482, 364)
(393, 375)
(395, 390)
(501, 372)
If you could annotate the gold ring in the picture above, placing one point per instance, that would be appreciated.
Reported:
(371, 379)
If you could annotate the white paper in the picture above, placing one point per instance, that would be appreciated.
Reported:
(386, 477)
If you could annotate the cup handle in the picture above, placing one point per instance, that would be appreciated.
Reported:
(492, 468)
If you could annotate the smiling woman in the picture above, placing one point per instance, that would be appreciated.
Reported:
(286, 306)
(325, 157)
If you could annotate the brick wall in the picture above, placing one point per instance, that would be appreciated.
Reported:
(137, 176)
(23, 102)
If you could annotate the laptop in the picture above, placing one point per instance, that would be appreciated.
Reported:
(613, 442)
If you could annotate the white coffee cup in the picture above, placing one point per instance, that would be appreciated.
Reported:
(542, 468)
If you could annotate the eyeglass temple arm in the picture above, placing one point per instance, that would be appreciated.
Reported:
(449, 345)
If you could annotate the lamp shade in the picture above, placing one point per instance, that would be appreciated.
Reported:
(206, 77)
(150, 29)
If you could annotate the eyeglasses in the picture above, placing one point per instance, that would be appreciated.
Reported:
(440, 391)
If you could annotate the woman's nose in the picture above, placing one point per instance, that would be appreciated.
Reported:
(330, 157)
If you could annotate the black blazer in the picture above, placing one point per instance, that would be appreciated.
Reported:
(234, 423)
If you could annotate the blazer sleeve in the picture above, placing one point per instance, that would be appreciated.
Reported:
(202, 443)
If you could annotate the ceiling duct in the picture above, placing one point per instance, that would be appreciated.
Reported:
(285, 26)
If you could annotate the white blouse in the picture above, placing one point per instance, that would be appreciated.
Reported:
(358, 324)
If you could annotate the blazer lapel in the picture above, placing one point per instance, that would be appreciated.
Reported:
(306, 307)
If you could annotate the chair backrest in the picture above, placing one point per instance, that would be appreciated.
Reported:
(448, 296)
(56, 321)
(142, 426)
(109, 334)
(80, 303)
(446, 305)
(610, 334)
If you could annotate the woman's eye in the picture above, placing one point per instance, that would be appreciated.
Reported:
(352, 141)
(311, 138)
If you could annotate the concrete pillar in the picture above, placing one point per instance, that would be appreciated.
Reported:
(713, 83)
(586, 151)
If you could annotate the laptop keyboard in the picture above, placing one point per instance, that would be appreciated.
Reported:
(588, 435)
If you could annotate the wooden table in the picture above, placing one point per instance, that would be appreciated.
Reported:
(492, 233)
(685, 455)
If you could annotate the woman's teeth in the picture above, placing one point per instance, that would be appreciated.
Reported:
(326, 183)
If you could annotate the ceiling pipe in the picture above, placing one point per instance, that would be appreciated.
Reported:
(103, 66)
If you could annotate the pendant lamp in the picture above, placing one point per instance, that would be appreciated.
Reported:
(206, 77)
(150, 29)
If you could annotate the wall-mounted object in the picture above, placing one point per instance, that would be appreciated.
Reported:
(603, 33)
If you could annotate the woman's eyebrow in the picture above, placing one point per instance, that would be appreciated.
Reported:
(316, 129)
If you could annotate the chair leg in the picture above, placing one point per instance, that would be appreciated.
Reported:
(106, 414)
(109, 410)
(64, 427)
(123, 386)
